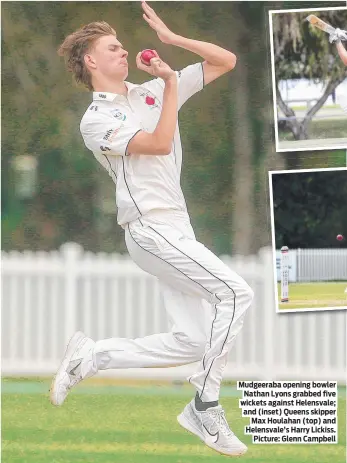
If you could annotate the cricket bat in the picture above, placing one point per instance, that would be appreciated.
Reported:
(316, 22)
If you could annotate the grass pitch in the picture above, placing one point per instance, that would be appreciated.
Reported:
(131, 427)
(314, 295)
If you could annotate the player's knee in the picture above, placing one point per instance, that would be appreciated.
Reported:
(245, 296)
(240, 295)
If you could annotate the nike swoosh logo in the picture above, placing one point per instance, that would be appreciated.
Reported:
(212, 435)
(73, 370)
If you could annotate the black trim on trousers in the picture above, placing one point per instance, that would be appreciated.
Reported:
(215, 316)
(225, 340)
(222, 281)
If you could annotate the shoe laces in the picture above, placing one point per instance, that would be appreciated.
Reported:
(218, 417)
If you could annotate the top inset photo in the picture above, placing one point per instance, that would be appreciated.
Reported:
(309, 78)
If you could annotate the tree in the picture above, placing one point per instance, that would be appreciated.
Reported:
(310, 208)
(303, 51)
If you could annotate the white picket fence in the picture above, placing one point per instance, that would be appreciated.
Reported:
(46, 296)
(307, 265)
(322, 264)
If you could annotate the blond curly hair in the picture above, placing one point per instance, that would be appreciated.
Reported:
(77, 44)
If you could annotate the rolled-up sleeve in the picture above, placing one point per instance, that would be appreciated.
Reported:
(190, 81)
(109, 134)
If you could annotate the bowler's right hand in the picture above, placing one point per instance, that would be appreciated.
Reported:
(157, 68)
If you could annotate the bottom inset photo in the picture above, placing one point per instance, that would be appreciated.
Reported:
(309, 238)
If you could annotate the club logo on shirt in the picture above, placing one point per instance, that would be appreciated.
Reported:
(149, 99)
(118, 114)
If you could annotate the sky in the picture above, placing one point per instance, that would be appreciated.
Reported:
(304, 88)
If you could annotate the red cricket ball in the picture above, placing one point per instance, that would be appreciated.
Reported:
(339, 237)
(146, 56)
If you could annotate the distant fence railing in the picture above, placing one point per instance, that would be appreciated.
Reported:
(308, 102)
(315, 265)
(337, 111)
(46, 296)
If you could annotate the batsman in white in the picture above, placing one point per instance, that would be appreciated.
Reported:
(337, 37)
(133, 132)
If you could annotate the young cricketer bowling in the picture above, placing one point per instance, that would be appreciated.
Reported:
(133, 132)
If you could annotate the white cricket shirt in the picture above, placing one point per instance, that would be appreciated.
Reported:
(143, 182)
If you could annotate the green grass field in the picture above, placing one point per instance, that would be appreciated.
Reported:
(304, 107)
(130, 425)
(315, 295)
(320, 129)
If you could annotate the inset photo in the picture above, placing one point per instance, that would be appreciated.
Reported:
(309, 238)
(309, 78)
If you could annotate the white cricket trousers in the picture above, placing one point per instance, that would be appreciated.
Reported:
(164, 245)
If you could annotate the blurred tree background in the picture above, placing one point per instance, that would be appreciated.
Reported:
(54, 191)
(310, 209)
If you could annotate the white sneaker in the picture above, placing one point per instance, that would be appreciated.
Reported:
(212, 428)
(69, 373)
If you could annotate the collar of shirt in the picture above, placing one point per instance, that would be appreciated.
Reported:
(108, 96)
